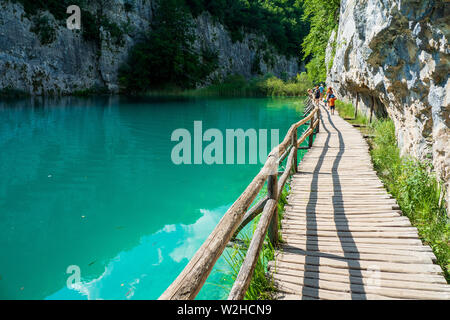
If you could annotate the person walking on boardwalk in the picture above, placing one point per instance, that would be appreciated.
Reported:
(329, 91)
(327, 96)
(324, 97)
(317, 94)
(331, 102)
(321, 89)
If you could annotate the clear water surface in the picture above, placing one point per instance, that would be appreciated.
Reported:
(89, 182)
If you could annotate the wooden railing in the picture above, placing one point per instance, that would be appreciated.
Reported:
(309, 106)
(188, 284)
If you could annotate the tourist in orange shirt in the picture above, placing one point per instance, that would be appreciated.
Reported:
(331, 102)
(327, 96)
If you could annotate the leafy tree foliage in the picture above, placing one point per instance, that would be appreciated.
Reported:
(323, 17)
(167, 56)
(56, 7)
(299, 28)
(279, 20)
(42, 27)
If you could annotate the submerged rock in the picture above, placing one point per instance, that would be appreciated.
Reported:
(393, 56)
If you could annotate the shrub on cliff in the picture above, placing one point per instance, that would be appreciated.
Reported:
(167, 56)
(91, 21)
(44, 29)
(278, 20)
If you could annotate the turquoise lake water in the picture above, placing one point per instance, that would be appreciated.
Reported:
(89, 182)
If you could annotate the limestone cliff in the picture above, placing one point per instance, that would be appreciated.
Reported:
(394, 55)
(238, 57)
(70, 63)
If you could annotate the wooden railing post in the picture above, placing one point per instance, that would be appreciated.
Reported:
(318, 117)
(371, 109)
(295, 146)
(272, 193)
(356, 107)
(311, 136)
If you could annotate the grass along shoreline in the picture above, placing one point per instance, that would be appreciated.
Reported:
(238, 86)
(261, 285)
(232, 86)
(267, 85)
(411, 182)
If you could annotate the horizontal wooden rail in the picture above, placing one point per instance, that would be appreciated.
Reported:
(191, 279)
(244, 277)
(284, 155)
(259, 206)
(308, 107)
(251, 214)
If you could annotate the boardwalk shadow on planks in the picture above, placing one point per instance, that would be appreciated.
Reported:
(361, 249)
(312, 263)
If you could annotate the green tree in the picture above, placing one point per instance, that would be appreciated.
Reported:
(323, 16)
(279, 20)
(167, 56)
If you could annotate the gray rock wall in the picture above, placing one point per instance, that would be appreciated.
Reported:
(238, 57)
(395, 53)
(70, 63)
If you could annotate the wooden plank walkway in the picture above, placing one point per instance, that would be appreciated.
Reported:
(344, 236)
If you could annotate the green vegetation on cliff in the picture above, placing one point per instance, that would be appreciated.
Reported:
(91, 20)
(323, 16)
(167, 56)
(279, 20)
(56, 7)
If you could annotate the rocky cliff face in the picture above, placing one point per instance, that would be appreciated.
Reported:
(70, 63)
(393, 56)
(239, 57)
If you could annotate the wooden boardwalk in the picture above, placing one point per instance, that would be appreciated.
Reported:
(344, 236)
